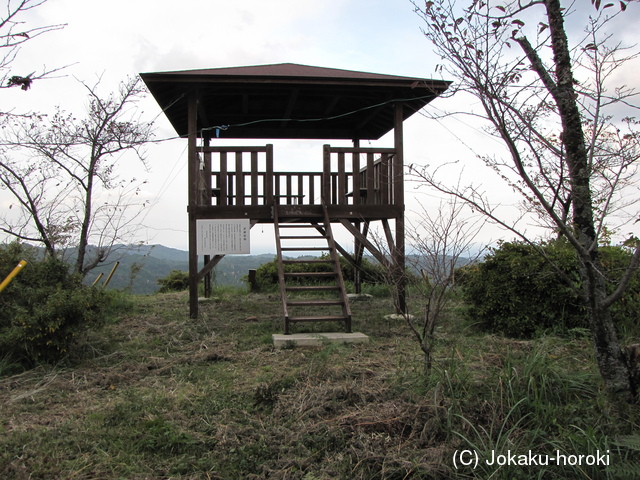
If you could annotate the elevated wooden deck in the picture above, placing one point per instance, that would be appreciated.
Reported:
(356, 184)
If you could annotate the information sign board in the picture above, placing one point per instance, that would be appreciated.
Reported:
(223, 237)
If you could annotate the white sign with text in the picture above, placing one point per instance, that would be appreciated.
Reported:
(223, 237)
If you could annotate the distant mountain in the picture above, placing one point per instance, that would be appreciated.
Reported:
(141, 266)
(160, 252)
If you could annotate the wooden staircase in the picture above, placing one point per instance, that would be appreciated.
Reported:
(324, 290)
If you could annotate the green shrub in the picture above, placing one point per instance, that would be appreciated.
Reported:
(45, 307)
(625, 311)
(516, 292)
(176, 281)
(267, 273)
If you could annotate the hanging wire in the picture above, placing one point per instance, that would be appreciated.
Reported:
(319, 119)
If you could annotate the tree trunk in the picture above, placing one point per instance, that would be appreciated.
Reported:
(86, 219)
(610, 358)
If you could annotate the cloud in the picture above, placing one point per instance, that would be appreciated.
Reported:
(124, 37)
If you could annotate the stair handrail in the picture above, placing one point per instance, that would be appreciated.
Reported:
(281, 282)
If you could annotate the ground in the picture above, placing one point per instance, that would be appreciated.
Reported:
(156, 395)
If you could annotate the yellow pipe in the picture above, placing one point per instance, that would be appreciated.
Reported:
(113, 270)
(97, 280)
(15, 272)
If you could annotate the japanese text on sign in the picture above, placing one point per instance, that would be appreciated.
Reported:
(221, 237)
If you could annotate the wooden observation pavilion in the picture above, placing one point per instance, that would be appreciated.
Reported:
(352, 186)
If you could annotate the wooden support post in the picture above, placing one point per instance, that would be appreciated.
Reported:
(398, 200)
(367, 244)
(253, 281)
(208, 268)
(192, 166)
(207, 200)
(268, 179)
(357, 277)
(326, 175)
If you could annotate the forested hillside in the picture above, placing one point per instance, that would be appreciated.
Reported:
(141, 267)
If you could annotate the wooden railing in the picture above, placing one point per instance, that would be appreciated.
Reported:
(373, 184)
(242, 176)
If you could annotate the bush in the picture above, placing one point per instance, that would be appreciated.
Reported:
(45, 307)
(267, 273)
(625, 311)
(176, 281)
(516, 292)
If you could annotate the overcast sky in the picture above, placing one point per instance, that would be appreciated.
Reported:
(119, 38)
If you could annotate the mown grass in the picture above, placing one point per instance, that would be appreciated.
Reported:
(158, 395)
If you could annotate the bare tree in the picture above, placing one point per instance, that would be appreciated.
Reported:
(13, 34)
(63, 174)
(443, 241)
(570, 144)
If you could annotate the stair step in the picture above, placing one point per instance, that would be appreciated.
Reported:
(315, 234)
(315, 303)
(319, 318)
(310, 274)
(309, 288)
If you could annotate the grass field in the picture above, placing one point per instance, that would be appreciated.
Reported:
(156, 395)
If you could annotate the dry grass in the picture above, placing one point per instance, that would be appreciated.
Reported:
(157, 395)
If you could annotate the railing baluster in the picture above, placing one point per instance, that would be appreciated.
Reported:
(222, 183)
(288, 191)
(384, 179)
(355, 169)
(231, 177)
(312, 194)
(239, 180)
(370, 185)
(208, 180)
(276, 177)
(342, 180)
(334, 188)
(300, 189)
(254, 178)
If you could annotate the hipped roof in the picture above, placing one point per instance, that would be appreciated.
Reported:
(289, 101)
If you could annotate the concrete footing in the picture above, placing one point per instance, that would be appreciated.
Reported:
(317, 339)
(397, 316)
(359, 297)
